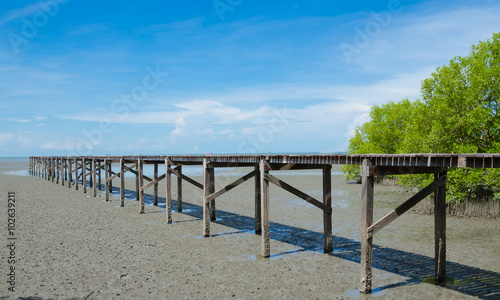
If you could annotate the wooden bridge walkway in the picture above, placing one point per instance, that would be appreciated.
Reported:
(69, 170)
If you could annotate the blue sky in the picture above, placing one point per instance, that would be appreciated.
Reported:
(224, 76)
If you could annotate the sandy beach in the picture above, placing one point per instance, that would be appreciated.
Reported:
(72, 245)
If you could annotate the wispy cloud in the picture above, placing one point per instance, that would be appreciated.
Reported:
(21, 120)
(22, 12)
(5, 137)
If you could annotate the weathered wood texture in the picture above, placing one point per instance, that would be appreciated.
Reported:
(440, 228)
(264, 205)
(366, 221)
(122, 183)
(106, 180)
(179, 189)
(155, 188)
(94, 175)
(140, 168)
(84, 175)
(258, 219)
(168, 187)
(208, 188)
(327, 214)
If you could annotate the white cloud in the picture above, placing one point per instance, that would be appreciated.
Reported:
(49, 145)
(5, 137)
(21, 120)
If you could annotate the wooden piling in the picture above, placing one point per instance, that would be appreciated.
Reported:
(140, 165)
(122, 183)
(84, 175)
(366, 221)
(91, 173)
(63, 175)
(106, 181)
(264, 192)
(110, 173)
(99, 169)
(257, 196)
(327, 216)
(137, 184)
(94, 178)
(77, 178)
(179, 189)
(56, 167)
(168, 188)
(155, 187)
(70, 173)
(440, 230)
(208, 188)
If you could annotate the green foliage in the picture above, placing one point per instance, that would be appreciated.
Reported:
(458, 113)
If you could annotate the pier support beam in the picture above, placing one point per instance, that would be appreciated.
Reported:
(208, 188)
(264, 192)
(84, 175)
(63, 166)
(53, 169)
(56, 167)
(327, 216)
(91, 173)
(70, 173)
(99, 169)
(140, 166)
(258, 219)
(76, 174)
(168, 188)
(122, 183)
(179, 189)
(366, 221)
(137, 184)
(106, 181)
(440, 230)
(109, 167)
(94, 177)
(155, 187)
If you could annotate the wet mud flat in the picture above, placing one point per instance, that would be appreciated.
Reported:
(71, 245)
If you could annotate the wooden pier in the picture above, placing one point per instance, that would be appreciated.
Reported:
(68, 171)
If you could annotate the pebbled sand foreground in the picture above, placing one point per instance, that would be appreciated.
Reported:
(71, 245)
